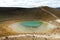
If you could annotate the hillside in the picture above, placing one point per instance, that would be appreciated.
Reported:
(8, 17)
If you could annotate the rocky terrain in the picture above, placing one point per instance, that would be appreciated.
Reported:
(12, 15)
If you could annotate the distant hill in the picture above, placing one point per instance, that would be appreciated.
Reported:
(58, 8)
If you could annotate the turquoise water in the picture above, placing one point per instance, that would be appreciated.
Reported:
(31, 23)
